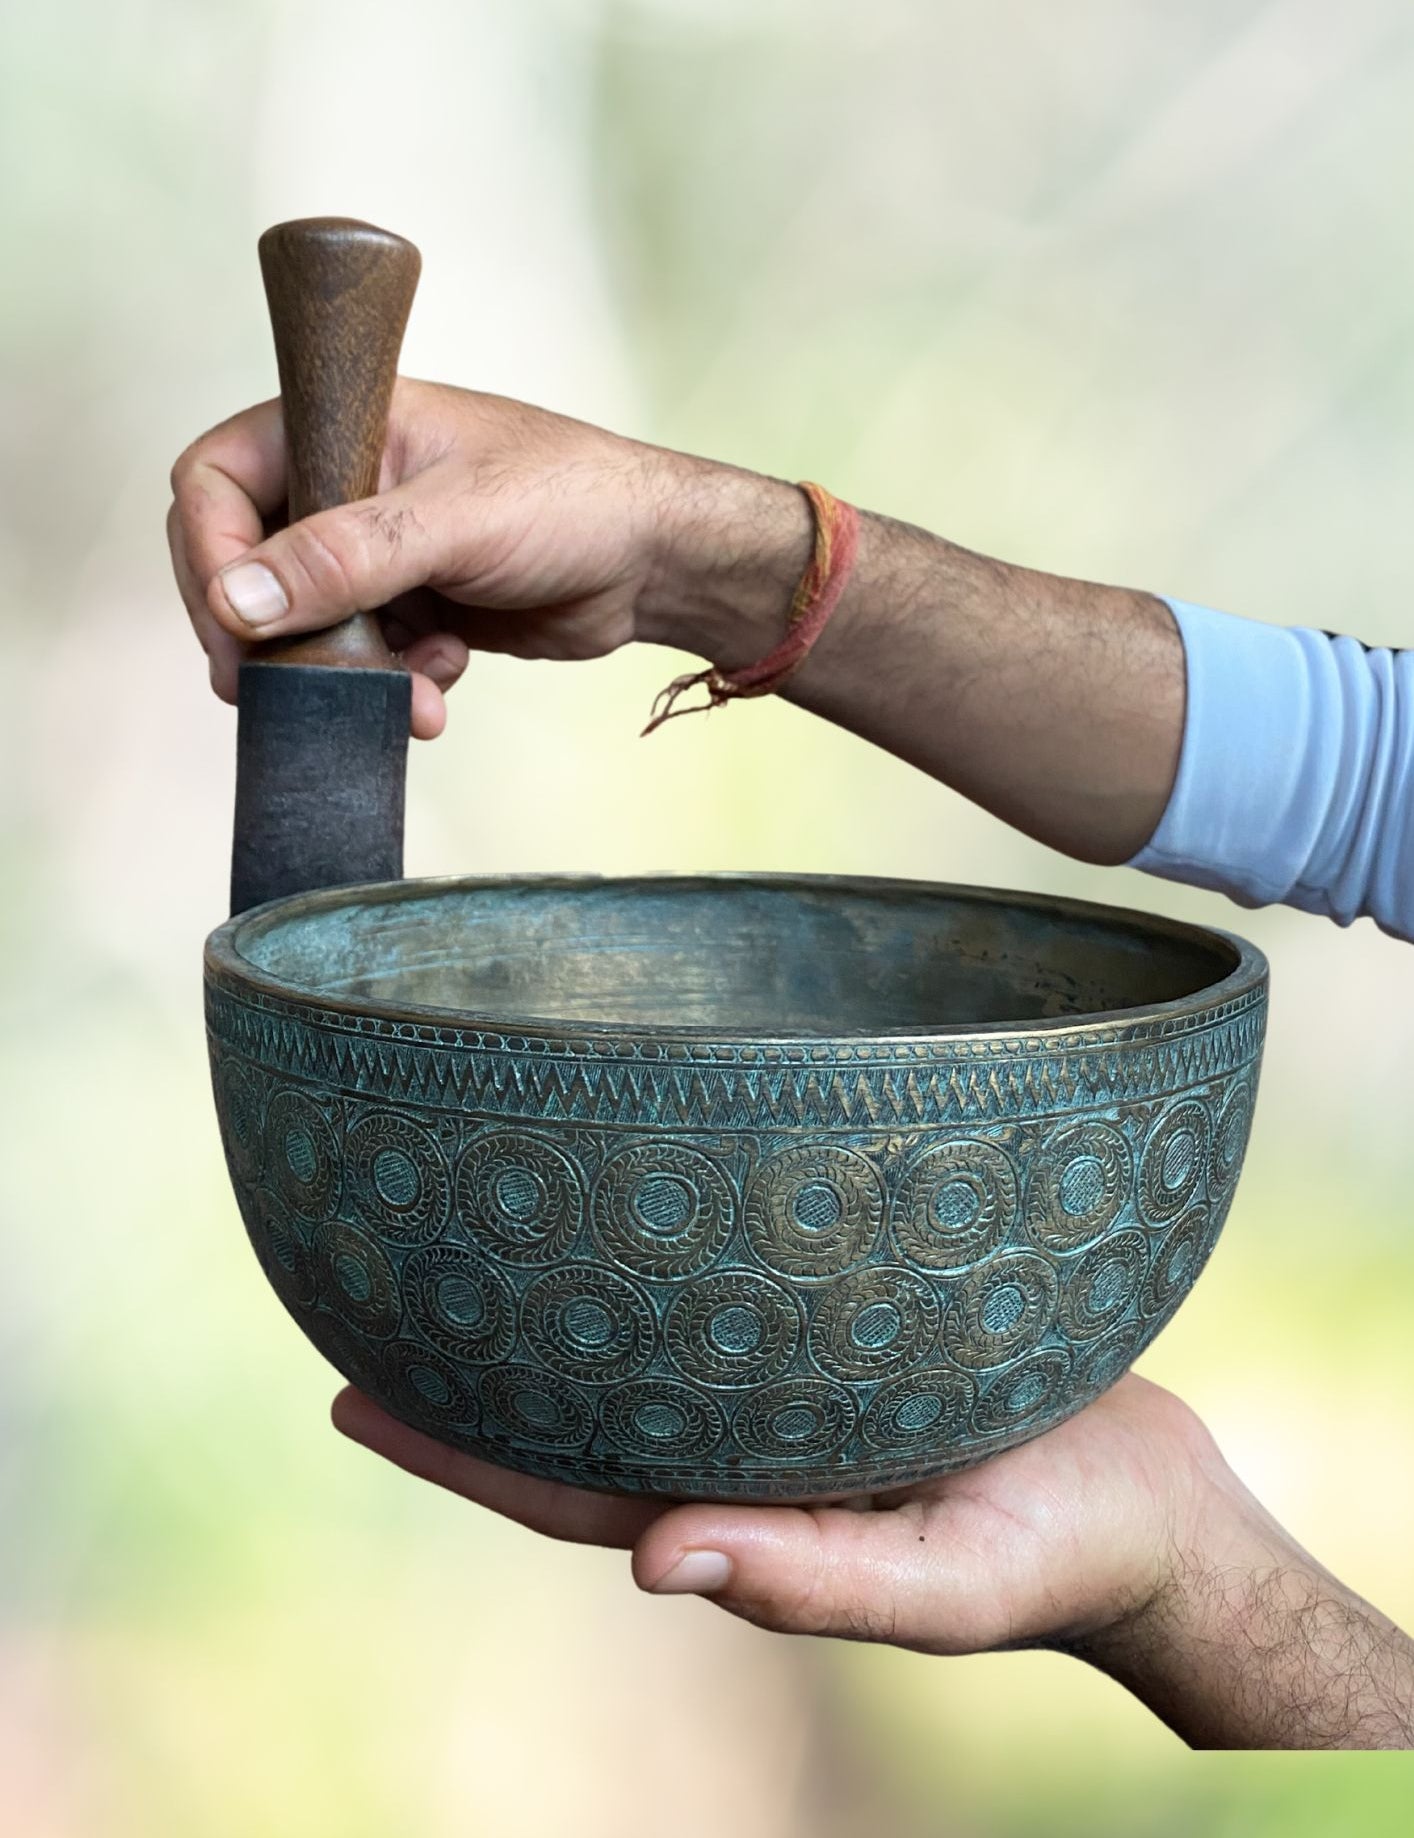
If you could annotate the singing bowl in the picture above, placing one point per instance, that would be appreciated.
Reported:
(762, 1188)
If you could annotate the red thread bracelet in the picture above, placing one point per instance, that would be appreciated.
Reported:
(819, 593)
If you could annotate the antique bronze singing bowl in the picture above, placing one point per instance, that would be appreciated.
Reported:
(761, 1188)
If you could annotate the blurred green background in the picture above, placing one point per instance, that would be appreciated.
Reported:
(1112, 287)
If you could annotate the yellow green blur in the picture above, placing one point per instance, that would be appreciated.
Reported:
(1112, 287)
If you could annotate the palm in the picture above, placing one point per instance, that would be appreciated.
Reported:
(1016, 1539)
(1044, 1541)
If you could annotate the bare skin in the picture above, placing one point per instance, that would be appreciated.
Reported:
(1121, 1537)
(516, 530)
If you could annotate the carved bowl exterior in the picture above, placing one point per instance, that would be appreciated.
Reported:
(814, 1187)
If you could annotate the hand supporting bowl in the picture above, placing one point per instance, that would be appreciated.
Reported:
(763, 1188)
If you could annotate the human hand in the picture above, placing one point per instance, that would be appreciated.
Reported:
(497, 527)
(1045, 1543)
(1121, 1537)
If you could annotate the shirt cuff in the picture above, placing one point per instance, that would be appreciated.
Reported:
(1294, 772)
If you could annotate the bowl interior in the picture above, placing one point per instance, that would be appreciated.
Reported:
(733, 956)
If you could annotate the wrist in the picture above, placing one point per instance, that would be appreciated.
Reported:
(726, 552)
(1247, 1642)
(1221, 1536)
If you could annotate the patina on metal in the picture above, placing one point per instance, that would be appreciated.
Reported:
(753, 1188)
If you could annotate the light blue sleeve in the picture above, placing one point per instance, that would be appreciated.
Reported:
(1296, 779)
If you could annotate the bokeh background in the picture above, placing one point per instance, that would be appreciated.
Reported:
(1111, 287)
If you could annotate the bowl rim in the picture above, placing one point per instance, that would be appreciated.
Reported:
(226, 964)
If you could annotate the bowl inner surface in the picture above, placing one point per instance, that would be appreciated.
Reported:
(738, 956)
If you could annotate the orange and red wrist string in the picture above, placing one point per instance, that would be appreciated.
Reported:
(819, 593)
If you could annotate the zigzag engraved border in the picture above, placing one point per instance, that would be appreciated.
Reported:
(707, 1085)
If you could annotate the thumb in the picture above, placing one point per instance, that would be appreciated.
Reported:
(862, 1574)
(351, 559)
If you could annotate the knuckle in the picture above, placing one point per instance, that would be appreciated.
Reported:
(388, 525)
(806, 1605)
(859, 1618)
(187, 466)
(835, 1597)
(328, 556)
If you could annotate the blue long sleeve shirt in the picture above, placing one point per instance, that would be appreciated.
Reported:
(1296, 778)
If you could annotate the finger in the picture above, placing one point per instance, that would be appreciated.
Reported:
(223, 486)
(819, 1570)
(437, 660)
(353, 558)
(226, 484)
(442, 656)
(549, 1507)
(223, 652)
(429, 711)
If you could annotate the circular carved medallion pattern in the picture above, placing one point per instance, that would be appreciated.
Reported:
(399, 1180)
(814, 1212)
(1230, 1134)
(1172, 1163)
(1176, 1262)
(663, 1210)
(238, 1104)
(797, 1419)
(1107, 1361)
(955, 1204)
(734, 1310)
(874, 1324)
(535, 1407)
(1078, 1186)
(518, 1198)
(461, 1304)
(925, 1412)
(301, 1155)
(1019, 1397)
(1001, 1310)
(586, 1323)
(356, 1280)
(733, 1328)
(1100, 1287)
(283, 1250)
(421, 1384)
(352, 1356)
(662, 1420)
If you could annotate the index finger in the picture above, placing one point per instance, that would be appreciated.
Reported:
(226, 484)
(571, 1514)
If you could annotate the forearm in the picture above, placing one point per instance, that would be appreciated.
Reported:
(1269, 763)
(1255, 1646)
(1057, 705)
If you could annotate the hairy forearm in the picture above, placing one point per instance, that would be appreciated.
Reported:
(1264, 1650)
(1057, 705)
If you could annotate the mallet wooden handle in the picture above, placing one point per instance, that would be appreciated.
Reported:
(340, 292)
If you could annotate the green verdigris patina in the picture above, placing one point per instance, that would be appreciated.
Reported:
(755, 1188)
